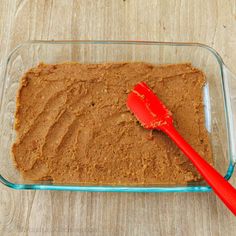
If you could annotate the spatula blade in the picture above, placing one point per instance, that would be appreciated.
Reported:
(148, 108)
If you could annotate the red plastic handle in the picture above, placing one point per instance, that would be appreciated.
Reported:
(219, 184)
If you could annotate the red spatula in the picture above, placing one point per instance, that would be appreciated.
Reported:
(152, 114)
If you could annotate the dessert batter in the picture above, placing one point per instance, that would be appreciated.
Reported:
(73, 125)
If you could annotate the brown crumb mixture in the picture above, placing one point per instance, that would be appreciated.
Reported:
(73, 125)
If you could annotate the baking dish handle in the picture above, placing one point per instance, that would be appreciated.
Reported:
(230, 97)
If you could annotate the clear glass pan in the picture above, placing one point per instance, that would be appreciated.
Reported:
(219, 99)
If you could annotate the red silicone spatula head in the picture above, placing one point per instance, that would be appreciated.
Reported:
(148, 108)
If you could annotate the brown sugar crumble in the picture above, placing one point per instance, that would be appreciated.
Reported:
(73, 125)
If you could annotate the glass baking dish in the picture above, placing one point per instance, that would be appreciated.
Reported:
(219, 99)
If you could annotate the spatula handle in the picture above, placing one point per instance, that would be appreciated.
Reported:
(219, 184)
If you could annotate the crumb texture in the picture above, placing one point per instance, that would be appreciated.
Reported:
(73, 125)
